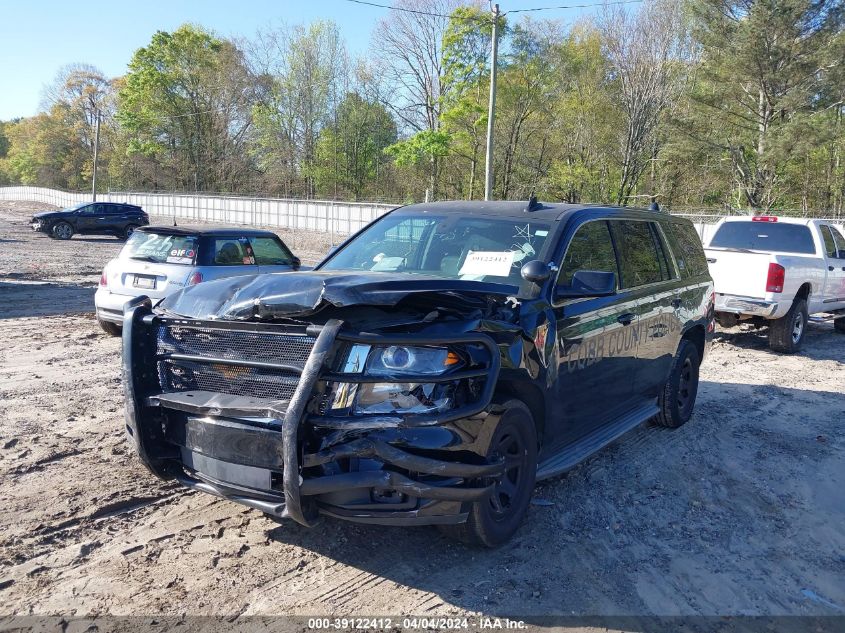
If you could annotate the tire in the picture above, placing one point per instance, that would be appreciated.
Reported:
(787, 333)
(677, 399)
(112, 329)
(839, 325)
(62, 231)
(495, 520)
(128, 231)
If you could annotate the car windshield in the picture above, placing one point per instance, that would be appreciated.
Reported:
(76, 207)
(765, 236)
(476, 248)
(160, 248)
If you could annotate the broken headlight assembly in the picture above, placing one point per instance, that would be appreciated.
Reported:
(404, 388)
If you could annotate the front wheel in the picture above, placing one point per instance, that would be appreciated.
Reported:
(495, 520)
(62, 231)
(787, 333)
(677, 399)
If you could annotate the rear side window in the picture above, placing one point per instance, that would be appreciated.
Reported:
(269, 251)
(765, 236)
(689, 252)
(840, 242)
(232, 251)
(827, 239)
(639, 253)
(160, 248)
(590, 249)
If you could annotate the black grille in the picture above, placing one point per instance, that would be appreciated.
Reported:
(232, 345)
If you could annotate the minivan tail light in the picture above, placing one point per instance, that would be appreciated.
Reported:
(777, 275)
(194, 279)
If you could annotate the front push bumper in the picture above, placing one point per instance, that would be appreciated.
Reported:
(392, 470)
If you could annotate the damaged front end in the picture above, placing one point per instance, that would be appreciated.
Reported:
(298, 419)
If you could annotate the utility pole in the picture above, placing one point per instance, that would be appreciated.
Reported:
(491, 113)
(96, 152)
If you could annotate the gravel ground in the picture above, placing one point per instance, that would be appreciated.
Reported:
(741, 511)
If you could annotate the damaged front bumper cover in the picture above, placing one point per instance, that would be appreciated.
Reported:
(250, 450)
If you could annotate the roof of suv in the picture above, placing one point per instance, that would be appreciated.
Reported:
(204, 230)
(519, 208)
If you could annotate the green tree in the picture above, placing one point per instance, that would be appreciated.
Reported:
(351, 152)
(765, 64)
(186, 103)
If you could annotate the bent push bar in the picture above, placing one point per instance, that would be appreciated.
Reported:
(139, 311)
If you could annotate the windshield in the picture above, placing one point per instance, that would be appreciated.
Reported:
(76, 207)
(765, 236)
(479, 248)
(160, 248)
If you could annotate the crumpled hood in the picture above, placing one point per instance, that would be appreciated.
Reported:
(302, 293)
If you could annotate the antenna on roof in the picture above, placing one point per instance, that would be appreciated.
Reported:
(533, 205)
(174, 219)
(654, 206)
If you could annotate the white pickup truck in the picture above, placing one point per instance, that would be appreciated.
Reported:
(776, 271)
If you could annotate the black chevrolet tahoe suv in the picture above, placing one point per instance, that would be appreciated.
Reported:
(429, 370)
(91, 218)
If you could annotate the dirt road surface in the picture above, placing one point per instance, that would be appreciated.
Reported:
(741, 511)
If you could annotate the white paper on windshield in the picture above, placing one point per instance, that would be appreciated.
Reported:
(179, 260)
(495, 263)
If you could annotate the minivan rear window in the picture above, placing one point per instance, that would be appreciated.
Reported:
(161, 248)
(765, 236)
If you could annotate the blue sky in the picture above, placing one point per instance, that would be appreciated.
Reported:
(39, 37)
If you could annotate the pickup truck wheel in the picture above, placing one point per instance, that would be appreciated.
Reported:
(112, 329)
(787, 333)
(839, 325)
(62, 231)
(495, 520)
(677, 399)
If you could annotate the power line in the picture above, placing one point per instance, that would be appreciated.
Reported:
(418, 12)
(575, 6)
(477, 19)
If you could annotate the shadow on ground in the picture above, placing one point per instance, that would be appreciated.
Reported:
(701, 520)
(821, 342)
(35, 298)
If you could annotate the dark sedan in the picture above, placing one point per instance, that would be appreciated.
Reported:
(91, 218)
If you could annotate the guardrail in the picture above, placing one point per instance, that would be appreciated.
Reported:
(325, 216)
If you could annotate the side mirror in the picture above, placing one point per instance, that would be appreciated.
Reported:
(536, 271)
(589, 283)
(296, 262)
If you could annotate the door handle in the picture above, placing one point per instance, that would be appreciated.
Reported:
(830, 267)
(711, 260)
(625, 319)
(676, 303)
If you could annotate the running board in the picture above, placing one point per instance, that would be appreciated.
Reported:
(575, 453)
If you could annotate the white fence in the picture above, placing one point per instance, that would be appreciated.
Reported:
(328, 216)
(314, 215)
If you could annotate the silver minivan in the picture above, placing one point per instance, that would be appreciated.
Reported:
(159, 260)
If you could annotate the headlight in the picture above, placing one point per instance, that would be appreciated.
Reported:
(402, 371)
(392, 397)
(400, 360)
